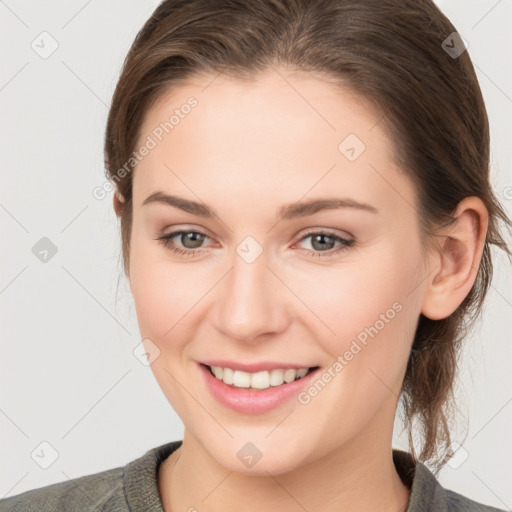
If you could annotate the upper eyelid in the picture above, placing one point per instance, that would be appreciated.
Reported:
(175, 232)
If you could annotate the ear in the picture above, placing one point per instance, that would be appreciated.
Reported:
(118, 202)
(456, 260)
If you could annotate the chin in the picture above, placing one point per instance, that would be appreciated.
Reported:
(257, 458)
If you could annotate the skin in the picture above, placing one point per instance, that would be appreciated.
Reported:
(247, 149)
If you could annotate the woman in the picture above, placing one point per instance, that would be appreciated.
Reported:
(306, 220)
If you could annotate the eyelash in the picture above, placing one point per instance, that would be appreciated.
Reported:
(167, 242)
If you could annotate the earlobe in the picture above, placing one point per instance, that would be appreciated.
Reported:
(457, 260)
(118, 203)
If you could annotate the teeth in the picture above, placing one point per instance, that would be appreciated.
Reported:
(258, 380)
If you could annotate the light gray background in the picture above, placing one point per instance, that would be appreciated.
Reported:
(68, 373)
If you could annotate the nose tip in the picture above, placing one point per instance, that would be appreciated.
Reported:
(250, 304)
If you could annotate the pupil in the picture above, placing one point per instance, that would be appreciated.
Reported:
(191, 237)
(321, 245)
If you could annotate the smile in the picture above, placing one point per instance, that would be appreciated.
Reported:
(258, 380)
(257, 392)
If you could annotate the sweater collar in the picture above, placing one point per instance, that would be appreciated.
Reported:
(426, 492)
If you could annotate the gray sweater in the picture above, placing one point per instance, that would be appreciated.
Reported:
(134, 488)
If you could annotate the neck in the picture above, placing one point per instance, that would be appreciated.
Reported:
(354, 478)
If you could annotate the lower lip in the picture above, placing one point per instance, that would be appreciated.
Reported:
(254, 401)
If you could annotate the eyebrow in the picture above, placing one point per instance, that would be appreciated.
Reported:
(286, 212)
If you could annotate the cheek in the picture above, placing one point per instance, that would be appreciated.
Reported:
(160, 290)
(164, 298)
(367, 303)
(373, 316)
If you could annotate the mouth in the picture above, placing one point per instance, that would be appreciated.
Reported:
(257, 392)
(260, 380)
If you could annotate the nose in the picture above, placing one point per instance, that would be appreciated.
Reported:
(251, 301)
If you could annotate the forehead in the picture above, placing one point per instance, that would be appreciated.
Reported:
(274, 99)
(282, 130)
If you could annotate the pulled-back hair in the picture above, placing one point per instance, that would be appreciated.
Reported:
(392, 53)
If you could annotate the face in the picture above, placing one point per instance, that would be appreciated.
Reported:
(286, 269)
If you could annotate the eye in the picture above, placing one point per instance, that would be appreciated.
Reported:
(190, 239)
(323, 248)
(322, 242)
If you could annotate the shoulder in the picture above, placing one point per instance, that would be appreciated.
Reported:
(121, 489)
(427, 493)
(456, 502)
(99, 491)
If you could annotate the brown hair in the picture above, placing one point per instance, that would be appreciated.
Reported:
(390, 52)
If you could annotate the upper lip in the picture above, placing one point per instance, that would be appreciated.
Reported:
(255, 367)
